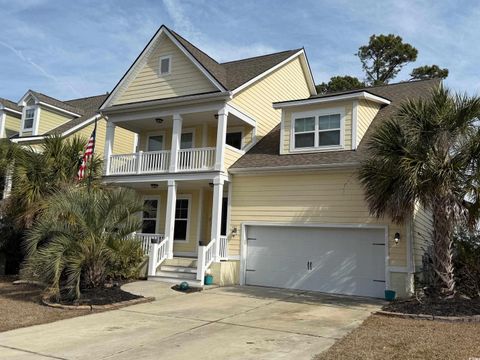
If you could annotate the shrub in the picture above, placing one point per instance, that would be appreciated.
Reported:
(467, 263)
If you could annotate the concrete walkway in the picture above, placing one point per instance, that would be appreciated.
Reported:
(221, 323)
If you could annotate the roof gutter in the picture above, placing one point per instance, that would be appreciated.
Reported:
(2, 107)
(275, 169)
(361, 95)
(167, 102)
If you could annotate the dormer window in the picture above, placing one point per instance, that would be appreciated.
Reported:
(29, 119)
(317, 130)
(165, 65)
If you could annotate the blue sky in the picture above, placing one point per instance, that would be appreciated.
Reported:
(70, 49)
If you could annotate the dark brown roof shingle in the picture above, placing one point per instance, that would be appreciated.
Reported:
(9, 104)
(57, 103)
(266, 152)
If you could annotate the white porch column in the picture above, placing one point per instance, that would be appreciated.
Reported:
(217, 214)
(170, 216)
(3, 119)
(109, 140)
(221, 138)
(176, 135)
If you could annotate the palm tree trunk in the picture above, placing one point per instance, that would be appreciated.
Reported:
(443, 222)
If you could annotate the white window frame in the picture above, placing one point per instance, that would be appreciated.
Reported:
(36, 116)
(238, 129)
(189, 216)
(152, 197)
(188, 131)
(316, 114)
(156, 133)
(169, 57)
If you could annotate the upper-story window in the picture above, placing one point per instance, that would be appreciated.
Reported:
(29, 119)
(165, 65)
(234, 139)
(317, 130)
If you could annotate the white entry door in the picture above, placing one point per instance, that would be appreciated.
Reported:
(347, 261)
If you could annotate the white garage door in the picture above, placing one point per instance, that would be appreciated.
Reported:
(336, 260)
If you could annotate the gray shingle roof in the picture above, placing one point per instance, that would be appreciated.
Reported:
(88, 105)
(266, 152)
(57, 103)
(9, 104)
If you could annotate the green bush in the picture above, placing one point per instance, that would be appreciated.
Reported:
(467, 263)
(127, 256)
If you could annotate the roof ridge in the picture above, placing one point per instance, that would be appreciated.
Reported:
(196, 47)
(86, 97)
(259, 56)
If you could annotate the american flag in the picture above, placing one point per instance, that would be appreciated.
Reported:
(88, 155)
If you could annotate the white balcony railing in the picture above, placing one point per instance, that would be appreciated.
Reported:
(196, 159)
(146, 241)
(150, 162)
(223, 247)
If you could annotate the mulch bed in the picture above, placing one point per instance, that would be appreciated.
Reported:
(103, 296)
(188, 291)
(437, 307)
(381, 337)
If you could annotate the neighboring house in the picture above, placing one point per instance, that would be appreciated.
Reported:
(43, 116)
(248, 172)
(10, 115)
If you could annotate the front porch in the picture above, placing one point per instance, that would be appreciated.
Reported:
(184, 228)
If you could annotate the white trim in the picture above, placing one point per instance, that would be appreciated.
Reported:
(272, 69)
(157, 220)
(22, 102)
(81, 125)
(229, 212)
(191, 254)
(238, 151)
(201, 199)
(59, 109)
(250, 120)
(316, 114)
(3, 120)
(274, 169)
(142, 59)
(169, 57)
(6, 108)
(155, 133)
(139, 179)
(36, 122)
(24, 118)
(356, 95)
(189, 217)
(135, 142)
(243, 241)
(282, 134)
(354, 124)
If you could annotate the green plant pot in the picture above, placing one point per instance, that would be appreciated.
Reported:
(390, 295)
(208, 280)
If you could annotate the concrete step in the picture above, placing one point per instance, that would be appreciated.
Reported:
(183, 269)
(177, 275)
(192, 283)
(181, 261)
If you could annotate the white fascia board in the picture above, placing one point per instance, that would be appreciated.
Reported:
(22, 101)
(58, 109)
(81, 125)
(241, 115)
(10, 110)
(142, 57)
(353, 96)
(271, 169)
(265, 73)
(26, 139)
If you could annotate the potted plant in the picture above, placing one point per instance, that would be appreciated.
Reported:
(208, 277)
(390, 295)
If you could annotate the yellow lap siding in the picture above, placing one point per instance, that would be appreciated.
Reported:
(12, 124)
(185, 78)
(231, 156)
(347, 107)
(422, 231)
(286, 83)
(50, 120)
(306, 198)
(367, 111)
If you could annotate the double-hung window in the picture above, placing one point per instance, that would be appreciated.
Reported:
(29, 118)
(322, 130)
(181, 220)
(150, 216)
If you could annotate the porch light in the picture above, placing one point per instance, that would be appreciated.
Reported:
(154, 186)
(396, 238)
(159, 120)
(234, 231)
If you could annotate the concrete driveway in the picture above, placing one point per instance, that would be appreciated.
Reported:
(221, 323)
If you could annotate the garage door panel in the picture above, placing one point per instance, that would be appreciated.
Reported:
(343, 260)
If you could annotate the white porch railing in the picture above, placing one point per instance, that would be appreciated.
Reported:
(146, 240)
(206, 255)
(123, 164)
(196, 159)
(154, 162)
(158, 253)
(223, 247)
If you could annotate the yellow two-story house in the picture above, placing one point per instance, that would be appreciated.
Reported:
(10, 117)
(248, 173)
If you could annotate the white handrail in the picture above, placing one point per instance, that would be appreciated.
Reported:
(206, 255)
(196, 159)
(123, 164)
(146, 240)
(223, 251)
(155, 161)
(158, 253)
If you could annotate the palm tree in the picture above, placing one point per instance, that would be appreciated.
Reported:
(82, 237)
(428, 153)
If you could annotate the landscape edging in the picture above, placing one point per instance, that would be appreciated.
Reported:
(141, 300)
(470, 318)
